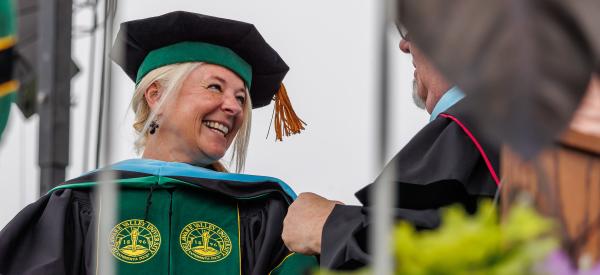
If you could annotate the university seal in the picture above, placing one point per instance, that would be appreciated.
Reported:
(134, 241)
(205, 242)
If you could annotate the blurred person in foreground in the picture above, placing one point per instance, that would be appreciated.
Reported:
(447, 162)
(178, 210)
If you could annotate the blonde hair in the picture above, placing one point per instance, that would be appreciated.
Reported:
(170, 79)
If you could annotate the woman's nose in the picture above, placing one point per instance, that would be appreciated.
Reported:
(231, 105)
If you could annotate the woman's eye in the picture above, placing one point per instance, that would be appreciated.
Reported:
(214, 87)
(241, 99)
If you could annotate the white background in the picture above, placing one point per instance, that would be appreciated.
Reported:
(331, 49)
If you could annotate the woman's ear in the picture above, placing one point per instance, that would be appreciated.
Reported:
(152, 95)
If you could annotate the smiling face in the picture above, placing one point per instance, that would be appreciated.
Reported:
(200, 122)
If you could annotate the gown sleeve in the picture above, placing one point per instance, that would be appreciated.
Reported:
(344, 242)
(261, 223)
(48, 236)
(440, 166)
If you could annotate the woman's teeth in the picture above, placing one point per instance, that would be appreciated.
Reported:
(216, 126)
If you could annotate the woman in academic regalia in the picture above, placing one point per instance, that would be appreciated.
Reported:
(179, 211)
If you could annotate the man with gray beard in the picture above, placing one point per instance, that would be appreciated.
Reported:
(447, 162)
(415, 96)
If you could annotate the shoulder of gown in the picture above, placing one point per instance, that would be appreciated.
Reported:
(447, 162)
(50, 236)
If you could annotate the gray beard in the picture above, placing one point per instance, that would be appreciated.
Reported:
(415, 96)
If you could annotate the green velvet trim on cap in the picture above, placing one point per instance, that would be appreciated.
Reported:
(195, 52)
(7, 18)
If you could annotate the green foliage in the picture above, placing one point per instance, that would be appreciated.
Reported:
(477, 244)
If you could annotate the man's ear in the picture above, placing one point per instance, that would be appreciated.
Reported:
(152, 95)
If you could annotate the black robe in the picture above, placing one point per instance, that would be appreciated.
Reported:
(447, 162)
(57, 233)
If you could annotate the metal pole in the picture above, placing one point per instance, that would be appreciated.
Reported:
(90, 91)
(102, 98)
(384, 191)
(54, 82)
(107, 191)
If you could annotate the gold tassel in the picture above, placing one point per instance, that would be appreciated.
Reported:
(286, 120)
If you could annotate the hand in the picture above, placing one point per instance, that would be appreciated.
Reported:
(303, 224)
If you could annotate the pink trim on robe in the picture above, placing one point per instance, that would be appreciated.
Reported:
(479, 148)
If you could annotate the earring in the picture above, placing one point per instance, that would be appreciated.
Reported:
(153, 126)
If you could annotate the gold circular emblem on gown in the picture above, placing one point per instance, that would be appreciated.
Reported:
(134, 241)
(205, 242)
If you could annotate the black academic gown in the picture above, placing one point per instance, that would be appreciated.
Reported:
(447, 162)
(168, 205)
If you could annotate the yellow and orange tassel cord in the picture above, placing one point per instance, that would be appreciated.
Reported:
(11, 86)
(286, 120)
(7, 42)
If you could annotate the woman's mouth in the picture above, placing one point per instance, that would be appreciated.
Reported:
(216, 126)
